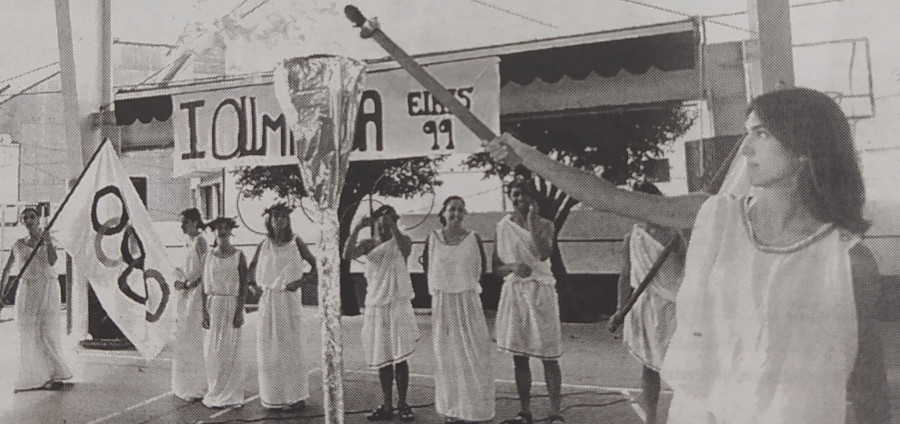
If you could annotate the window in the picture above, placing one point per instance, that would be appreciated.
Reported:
(208, 199)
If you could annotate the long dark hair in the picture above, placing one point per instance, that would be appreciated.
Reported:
(447, 201)
(811, 125)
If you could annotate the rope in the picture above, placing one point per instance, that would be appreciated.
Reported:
(29, 72)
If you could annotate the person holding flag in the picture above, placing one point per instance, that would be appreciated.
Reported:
(41, 364)
(224, 293)
(188, 378)
(277, 269)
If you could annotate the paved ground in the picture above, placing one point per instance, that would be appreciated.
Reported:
(600, 383)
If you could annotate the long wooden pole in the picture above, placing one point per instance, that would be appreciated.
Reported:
(369, 28)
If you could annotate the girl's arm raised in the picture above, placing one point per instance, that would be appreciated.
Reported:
(675, 212)
(354, 247)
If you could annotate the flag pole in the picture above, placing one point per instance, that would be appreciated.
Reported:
(56, 214)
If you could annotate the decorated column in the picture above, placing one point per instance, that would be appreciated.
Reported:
(320, 96)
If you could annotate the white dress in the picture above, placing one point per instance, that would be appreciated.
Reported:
(528, 320)
(38, 321)
(283, 375)
(221, 348)
(464, 375)
(765, 334)
(650, 324)
(389, 331)
(188, 369)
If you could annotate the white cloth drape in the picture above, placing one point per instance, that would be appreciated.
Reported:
(221, 347)
(283, 374)
(764, 335)
(651, 322)
(528, 320)
(188, 368)
(463, 375)
(38, 322)
(389, 332)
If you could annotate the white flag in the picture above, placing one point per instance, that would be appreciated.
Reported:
(108, 231)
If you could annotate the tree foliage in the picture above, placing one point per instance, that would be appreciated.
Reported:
(404, 178)
(618, 145)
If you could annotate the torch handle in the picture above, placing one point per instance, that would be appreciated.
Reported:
(370, 29)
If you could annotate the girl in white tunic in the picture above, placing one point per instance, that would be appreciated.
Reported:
(649, 326)
(41, 364)
(224, 291)
(389, 332)
(776, 314)
(188, 369)
(528, 323)
(277, 269)
(464, 376)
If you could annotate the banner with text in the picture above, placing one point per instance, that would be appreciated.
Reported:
(244, 125)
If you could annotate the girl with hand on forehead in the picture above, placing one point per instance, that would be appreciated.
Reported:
(41, 364)
(224, 294)
(389, 332)
(776, 314)
(277, 269)
(454, 262)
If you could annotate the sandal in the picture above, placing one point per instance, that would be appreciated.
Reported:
(381, 414)
(522, 418)
(405, 412)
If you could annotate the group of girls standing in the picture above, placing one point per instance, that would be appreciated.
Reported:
(213, 286)
(454, 260)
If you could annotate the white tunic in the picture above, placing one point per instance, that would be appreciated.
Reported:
(38, 321)
(764, 335)
(528, 320)
(188, 368)
(464, 375)
(221, 348)
(389, 332)
(651, 322)
(283, 378)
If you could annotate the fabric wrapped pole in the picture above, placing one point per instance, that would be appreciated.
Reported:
(320, 97)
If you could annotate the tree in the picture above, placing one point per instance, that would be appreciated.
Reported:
(620, 145)
(404, 178)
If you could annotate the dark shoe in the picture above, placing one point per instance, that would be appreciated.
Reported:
(405, 412)
(556, 418)
(381, 414)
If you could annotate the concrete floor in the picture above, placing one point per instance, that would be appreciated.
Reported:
(600, 382)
